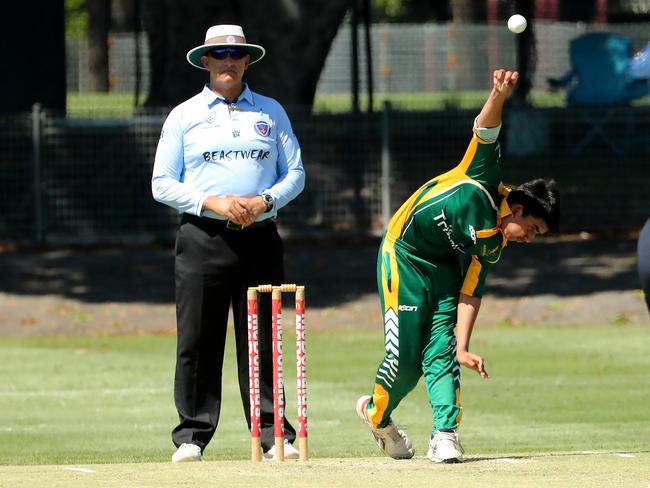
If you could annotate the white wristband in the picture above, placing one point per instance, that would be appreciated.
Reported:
(487, 134)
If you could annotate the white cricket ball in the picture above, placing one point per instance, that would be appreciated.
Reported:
(517, 24)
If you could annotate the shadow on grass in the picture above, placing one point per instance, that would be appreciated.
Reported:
(507, 459)
(334, 272)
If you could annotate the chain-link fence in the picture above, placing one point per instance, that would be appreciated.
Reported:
(415, 58)
(84, 180)
(407, 58)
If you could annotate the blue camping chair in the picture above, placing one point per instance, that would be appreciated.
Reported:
(599, 77)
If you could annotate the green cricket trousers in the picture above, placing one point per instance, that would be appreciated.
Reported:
(419, 300)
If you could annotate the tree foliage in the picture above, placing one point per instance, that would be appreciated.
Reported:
(411, 10)
(76, 19)
(297, 35)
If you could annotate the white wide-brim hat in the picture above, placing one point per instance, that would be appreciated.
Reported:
(224, 36)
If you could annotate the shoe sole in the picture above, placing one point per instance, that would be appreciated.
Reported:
(290, 457)
(360, 409)
(454, 460)
(187, 460)
(447, 461)
(290, 453)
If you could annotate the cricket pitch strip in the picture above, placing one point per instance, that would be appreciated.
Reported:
(593, 469)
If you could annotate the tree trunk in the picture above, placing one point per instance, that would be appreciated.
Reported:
(463, 53)
(99, 23)
(468, 11)
(526, 52)
(297, 35)
(123, 15)
(32, 73)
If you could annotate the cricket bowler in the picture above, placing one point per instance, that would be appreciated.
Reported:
(431, 272)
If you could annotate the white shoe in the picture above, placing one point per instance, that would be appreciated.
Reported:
(290, 452)
(187, 453)
(444, 447)
(390, 439)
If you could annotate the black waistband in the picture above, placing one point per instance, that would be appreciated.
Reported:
(225, 223)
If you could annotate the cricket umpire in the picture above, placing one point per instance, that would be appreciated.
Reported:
(227, 160)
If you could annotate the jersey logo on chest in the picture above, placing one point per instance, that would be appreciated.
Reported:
(486, 251)
(262, 127)
(472, 233)
(441, 222)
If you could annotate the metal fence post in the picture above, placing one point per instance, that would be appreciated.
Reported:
(36, 162)
(385, 165)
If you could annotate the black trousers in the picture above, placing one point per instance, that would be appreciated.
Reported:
(213, 268)
(643, 261)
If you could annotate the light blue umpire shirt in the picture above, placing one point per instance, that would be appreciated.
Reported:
(211, 147)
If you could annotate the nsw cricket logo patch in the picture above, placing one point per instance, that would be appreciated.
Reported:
(263, 128)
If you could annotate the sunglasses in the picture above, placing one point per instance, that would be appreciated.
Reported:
(222, 53)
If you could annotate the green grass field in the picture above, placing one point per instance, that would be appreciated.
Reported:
(120, 105)
(564, 407)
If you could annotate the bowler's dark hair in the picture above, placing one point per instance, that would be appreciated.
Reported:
(541, 199)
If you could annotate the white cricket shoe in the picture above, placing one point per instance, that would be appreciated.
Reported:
(290, 452)
(444, 447)
(187, 453)
(390, 439)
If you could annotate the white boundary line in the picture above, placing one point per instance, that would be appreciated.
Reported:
(80, 470)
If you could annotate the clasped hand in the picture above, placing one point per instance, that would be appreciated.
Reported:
(239, 210)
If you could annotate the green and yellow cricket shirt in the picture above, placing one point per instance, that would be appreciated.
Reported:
(458, 211)
(419, 279)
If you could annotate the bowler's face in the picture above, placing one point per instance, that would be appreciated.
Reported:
(518, 228)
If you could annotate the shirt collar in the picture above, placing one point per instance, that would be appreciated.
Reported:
(212, 98)
(504, 209)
